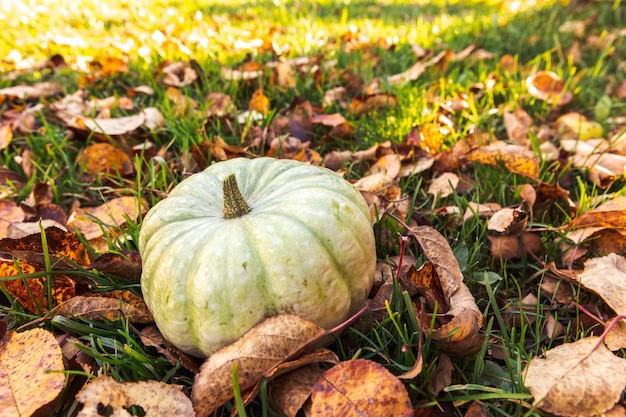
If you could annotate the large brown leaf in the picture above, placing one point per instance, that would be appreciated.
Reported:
(577, 379)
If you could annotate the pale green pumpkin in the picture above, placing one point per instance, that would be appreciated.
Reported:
(301, 242)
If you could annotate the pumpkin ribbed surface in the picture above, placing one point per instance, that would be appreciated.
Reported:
(306, 246)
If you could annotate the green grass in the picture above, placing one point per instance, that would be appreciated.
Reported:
(148, 33)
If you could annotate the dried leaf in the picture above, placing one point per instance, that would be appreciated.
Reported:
(154, 397)
(514, 158)
(444, 185)
(259, 350)
(35, 91)
(548, 86)
(515, 246)
(371, 103)
(359, 388)
(577, 379)
(463, 319)
(518, 124)
(606, 276)
(104, 158)
(94, 222)
(30, 362)
(259, 102)
(111, 306)
(290, 391)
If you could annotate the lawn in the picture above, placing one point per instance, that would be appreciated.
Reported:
(487, 139)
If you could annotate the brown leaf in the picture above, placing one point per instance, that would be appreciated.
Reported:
(94, 222)
(290, 391)
(35, 91)
(126, 264)
(577, 379)
(371, 103)
(151, 336)
(606, 276)
(514, 247)
(179, 74)
(104, 158)
(518, 124)
(259, 350)
(111, 306)
(442, 377)
(463, 319)
(508, 220)
(156, 398)
(259, 102)
(611, 214)
(414, 72)
(514, 158)
(548, 86)
(359, 388)
(444, 185)
(30, 362)
(9, 213)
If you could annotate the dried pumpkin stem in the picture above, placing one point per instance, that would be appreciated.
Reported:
(234, 204)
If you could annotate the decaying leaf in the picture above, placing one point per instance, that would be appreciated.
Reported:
(30, 362)
(444, 185)
(514, 158)
(266, 345)
(111, 306)
(460, 322)
(606, 276)
(359, 388)
(290, 391)
(549, 87)
(154, 397)
(94, 222)
(577, 379)
(104, 158)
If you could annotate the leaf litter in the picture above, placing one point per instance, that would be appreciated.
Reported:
(436, 149)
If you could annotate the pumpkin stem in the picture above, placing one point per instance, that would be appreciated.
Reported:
(234, 204)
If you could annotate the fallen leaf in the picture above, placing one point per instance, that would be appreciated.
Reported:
(30, 362)
(259, 102)
(94, 222)
(444, 185)
(359, 387)
(35, 91)
(416, 70)
(515, 246)
(371, 103)
(518, 124)
(606, 276)
(266, 345)
(514, 158)
(462, 321)
(576, 126)
(179, 74)
(111, 306)
(154, 397)
(290, 391)
(549, 87)
(579, 379)
(104, 158)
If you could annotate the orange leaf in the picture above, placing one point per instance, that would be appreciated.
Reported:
(105, 158)
(30, 377)
(259, 102)
(359, 388)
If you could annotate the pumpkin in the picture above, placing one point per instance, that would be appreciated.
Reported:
(246, 239)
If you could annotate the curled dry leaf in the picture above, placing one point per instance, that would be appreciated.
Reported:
(269, 343)
(289, 392)
(577, 379)
(359, 388)
(549, 87)
(463, 318)
(155, 398)
(30, 362)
